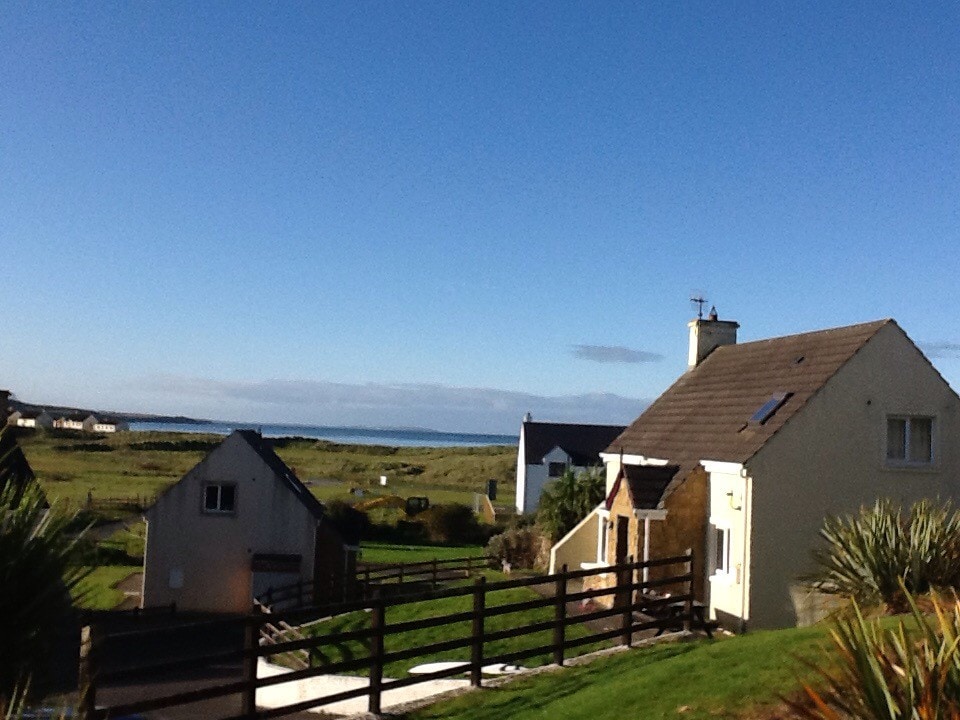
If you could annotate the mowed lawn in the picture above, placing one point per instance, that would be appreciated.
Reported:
(335, 652)
(97, 591)
(738, 677)
(143, 464)
(374, 552)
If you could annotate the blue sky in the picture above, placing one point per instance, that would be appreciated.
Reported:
(442, 215)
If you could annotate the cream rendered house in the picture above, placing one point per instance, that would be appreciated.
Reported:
(236, 524)
(750, 449)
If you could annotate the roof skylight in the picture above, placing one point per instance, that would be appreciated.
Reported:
(766, 411)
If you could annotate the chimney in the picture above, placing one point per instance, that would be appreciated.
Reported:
(528, 417)
(706, 335)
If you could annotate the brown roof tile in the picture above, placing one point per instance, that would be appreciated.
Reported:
(705, 414)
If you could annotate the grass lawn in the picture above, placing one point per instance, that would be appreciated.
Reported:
(96, 592)
(700, 680)
(374, 552)
(445, 606)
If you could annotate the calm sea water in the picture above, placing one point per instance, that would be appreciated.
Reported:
(349, 435)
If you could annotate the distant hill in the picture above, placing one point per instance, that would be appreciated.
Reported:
(56, 410)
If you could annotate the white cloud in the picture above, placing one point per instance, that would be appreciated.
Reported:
(940, 350)
(614, 354)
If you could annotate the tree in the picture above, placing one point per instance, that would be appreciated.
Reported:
(36, 574)
(568, 500)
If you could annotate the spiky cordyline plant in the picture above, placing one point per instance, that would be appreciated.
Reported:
(891, 674)
(878, 554)
(36, 577)
(568, 500)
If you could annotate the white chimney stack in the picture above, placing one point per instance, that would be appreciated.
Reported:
(709, 334)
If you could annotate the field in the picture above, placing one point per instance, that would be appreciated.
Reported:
(142, 464)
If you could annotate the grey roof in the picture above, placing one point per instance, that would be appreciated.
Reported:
(646, 484)
(583, 443)
(706, 413)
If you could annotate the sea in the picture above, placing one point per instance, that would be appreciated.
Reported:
(393, 437)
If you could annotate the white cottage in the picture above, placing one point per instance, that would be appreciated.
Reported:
(236, 524)
(747, 452)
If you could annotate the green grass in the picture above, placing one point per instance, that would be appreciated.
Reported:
(96, 591)
(134, 465)
(701, 680)
(374, 552)
(446, 606)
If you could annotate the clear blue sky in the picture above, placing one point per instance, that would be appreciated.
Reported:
(414, 213)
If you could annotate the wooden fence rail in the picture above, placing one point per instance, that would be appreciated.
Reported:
(633, 608)
(370, 576)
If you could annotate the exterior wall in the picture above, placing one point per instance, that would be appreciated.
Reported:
(685, 527)
(520, 499)
(730, 504)
(26, 422)
(213, 552)
(578, 546)
(104, 427)
(536, 478)
(830, 459)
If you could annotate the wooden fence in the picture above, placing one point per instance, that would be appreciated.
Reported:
(403, 578)
(635, 607)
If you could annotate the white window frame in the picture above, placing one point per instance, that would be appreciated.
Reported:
(721, 540)
(218, 510)
(906, 461)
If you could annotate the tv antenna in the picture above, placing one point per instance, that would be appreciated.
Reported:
(697, 298)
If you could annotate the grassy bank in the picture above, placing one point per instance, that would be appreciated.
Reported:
(374, 552)
(131, 464)
(740, 677)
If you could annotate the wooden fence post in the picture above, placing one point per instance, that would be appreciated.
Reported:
(400, 576)
(377, 623)
(625, 580)
(251, 643)
(688, 604)
(90, 647)
(476, 649)
(433, 573)
(560, 615)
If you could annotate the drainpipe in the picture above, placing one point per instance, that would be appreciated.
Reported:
(745, 509)
(646, 547)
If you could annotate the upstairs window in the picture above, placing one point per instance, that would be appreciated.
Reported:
(910, 440)
(556, 469)
(219, 498)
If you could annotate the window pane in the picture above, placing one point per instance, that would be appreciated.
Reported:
(721, 556)
(211, 497)
(228, 495)
(556, 469)
(896, 439)
(921, 436)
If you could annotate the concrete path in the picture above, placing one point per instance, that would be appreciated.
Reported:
(316, 687)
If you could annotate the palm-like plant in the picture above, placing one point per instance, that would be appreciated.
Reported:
(881, 554)
(568, 500)
(36, 574)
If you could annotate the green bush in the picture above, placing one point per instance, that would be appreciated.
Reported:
(451, 523)
(519, 546)
(568, 500)
(897, 674)
(881, 554)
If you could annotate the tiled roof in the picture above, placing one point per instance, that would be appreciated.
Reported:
(646, 484)
(583, 443)
(706, 414)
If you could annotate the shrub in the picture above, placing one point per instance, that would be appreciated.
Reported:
(521, 547)
(453, 523)
(568, 500)
(894, 674)
(881, 554)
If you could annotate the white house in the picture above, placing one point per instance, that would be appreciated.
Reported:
(748, 451)
(30, 418)
(108, 425)
(236, 524)
(74, 421)
(547, 450)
